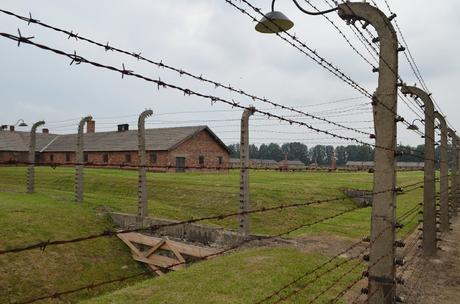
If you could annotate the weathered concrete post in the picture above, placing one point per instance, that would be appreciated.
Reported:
(454, 172)
(31, 167)
(429, 186)
(79, 160)
(142, 210)
(444, 175)
(244, 219)
(382, 252)
(456, 200)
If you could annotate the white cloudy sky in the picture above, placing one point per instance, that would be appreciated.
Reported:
(211, 38)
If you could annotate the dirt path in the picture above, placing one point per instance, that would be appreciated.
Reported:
(435, 280)
(427, 281)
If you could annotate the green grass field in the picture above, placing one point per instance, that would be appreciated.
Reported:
(51, 213)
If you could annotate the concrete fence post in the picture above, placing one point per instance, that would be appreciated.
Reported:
(382, 287)
(457, 192)
(444, 175)
(429, 185)
(454, 173)
(31, 165)
(142, 210)
(244, 219)
(79, 160)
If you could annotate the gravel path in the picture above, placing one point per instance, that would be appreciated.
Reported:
(435, 280)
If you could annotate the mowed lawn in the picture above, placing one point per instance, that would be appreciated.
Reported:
(51, 213)
(26, 219)
(193, 195)
(247, 276)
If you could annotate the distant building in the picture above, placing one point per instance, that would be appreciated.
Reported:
(366, 165)
(359, 165)
(255, 163)
(264, 163)
(168, 149)
(292, 165)
(410, 165)
(234, 163)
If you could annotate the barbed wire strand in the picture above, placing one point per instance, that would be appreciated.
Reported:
(181, 72)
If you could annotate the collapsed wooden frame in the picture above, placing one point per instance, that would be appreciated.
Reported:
(150, 256)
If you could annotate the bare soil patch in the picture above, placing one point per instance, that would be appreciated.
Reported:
(436, 280)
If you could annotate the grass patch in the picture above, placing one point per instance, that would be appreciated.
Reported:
(182, 196)
(243, 277)
(31, 218)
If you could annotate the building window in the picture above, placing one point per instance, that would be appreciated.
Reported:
(105, 158)
(201, 160)
(153, 157)
(67, 157)
(127, 157)
(51, 157)
(85, 157)
(220, 160)
(38, 157)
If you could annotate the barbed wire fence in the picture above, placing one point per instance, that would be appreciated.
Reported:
(322, 117)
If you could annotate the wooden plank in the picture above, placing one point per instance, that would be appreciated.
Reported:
(155, 269)
(131, 246)
(186, 249)
(136, 252)
(154, 248)
(142, 239)
(191, 250)
(160, 261)
(175, 251)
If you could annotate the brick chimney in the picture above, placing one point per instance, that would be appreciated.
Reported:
(12, 128)
(91, 126)
(45, 131)
(333, 162)
(285, 162)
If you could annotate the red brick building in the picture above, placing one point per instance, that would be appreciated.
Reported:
(168, 149)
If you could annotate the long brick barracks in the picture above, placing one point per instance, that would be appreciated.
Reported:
(168, 149)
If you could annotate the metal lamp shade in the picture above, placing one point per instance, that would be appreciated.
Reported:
(274, 22)
(23, 124)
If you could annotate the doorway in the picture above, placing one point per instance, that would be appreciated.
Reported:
(180, 164)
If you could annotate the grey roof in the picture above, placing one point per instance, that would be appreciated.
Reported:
(255, 161)
(161, 139)
(398, 164)
(264, 161)
(19, 141)
(291, 162)
(411, 164)
(360, 163)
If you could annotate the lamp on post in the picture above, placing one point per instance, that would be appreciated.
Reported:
(413, 126)
(443, 174)
(382, 273)
(454, 170)
(275, 21)
(20, 123)
(429, 187)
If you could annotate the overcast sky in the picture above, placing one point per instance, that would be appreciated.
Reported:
(210, 38)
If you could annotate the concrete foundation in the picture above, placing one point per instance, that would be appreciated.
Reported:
(208, 236)
(362, 198)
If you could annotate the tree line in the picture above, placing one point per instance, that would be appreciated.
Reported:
(322, 154)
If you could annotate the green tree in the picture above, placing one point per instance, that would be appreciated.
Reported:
(296, 151)
(274, 151)
(318, 154)
(341, 154)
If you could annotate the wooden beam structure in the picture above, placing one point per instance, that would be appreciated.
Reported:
(175, 260)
